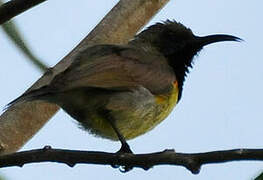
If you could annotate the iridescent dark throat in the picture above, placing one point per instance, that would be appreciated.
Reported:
(178, 44)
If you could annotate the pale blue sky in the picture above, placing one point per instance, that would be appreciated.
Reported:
(221, 106)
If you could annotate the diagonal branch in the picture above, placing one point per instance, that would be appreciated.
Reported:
(191, 161)
(19, 123)
(13, 8)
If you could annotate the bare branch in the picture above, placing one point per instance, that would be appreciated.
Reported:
(19, 123)
(192, 162)
(13, 8)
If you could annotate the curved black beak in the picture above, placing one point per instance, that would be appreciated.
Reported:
(205, 40)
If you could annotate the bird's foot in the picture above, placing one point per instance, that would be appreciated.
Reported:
(125, 149)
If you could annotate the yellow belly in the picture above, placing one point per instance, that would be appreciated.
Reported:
(132, 123)
(164, 105)
(167, 102)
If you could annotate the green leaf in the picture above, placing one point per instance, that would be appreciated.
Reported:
(259, 177)
(13, 33)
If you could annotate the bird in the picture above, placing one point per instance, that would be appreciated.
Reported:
(120, 92)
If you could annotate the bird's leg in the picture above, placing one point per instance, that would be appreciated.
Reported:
(125, 148)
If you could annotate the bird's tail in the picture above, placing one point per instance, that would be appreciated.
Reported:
(39, 94)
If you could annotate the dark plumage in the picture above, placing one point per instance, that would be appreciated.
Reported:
(123, 91)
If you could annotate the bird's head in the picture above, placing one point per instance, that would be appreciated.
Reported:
(178, 44)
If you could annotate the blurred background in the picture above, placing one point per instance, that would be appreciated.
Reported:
(221, 106)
